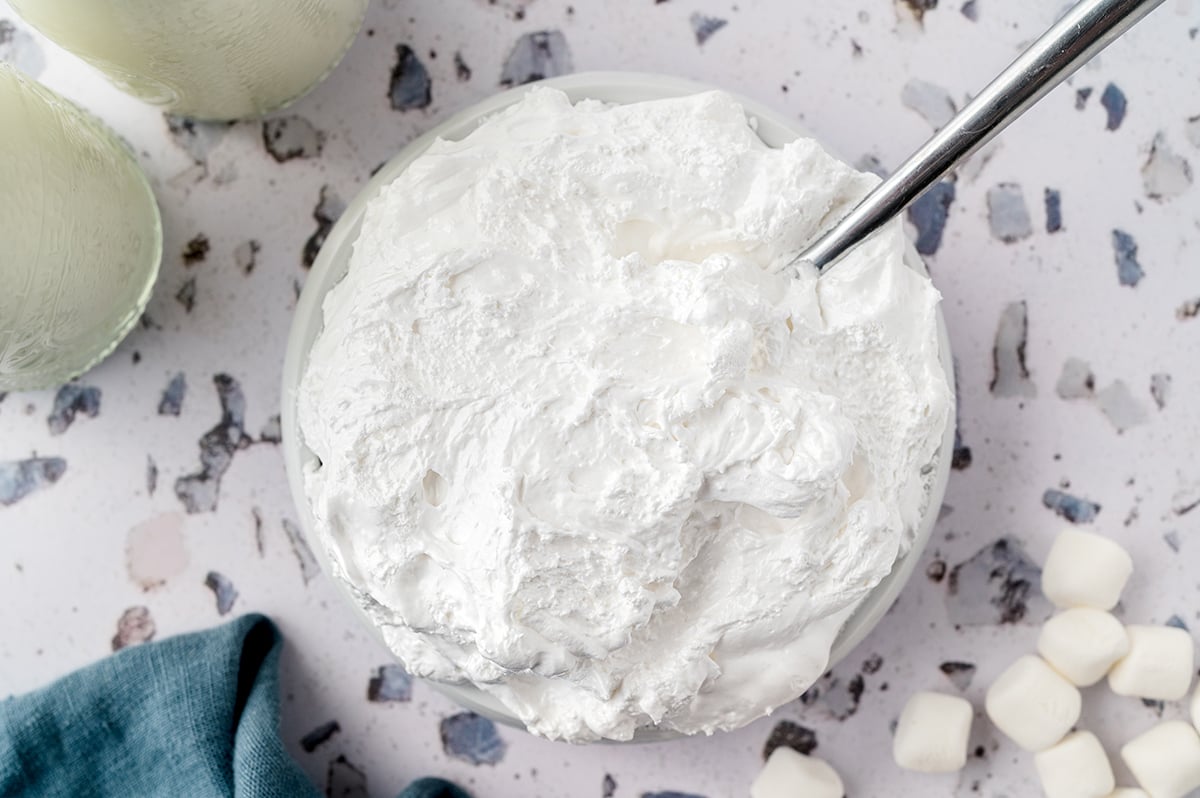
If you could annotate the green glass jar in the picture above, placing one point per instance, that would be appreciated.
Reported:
(206, 59)
(80, 237)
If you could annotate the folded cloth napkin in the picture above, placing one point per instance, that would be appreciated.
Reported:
(194, 716)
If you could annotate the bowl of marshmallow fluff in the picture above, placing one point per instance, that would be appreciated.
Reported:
(576, 443)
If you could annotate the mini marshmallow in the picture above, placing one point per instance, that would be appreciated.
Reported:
(1165, 760)
(1085, 570)
(1083, 643)
(1076, 767)
(1128, 792)
(789, 773)
(1158, 665)
(932, 734)
(1033, 704)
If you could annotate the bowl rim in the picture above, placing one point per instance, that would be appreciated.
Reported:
(329, 268)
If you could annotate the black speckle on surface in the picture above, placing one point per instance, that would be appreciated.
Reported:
(671, 794)
(1072, 508)
(1081, 97)
(71, 400)
(534, 56)
(288, 137)
(929, 214)
(315, 738)
(960, 674)
(1155, 706)
(961, 459)
(704, 26)
(608, 787)
(1053, 199)
(840, 696)
(872, 664)
(1172, 541)
(461, 70)
(223, 589)
(245, 255)
(1125, 249)
(196, 250)
(344, 780)
(410, 87)
(790, 735)
(272, 431)
(19, 478)
(970, 10)
(197, 139)
(134, 626)
(186, 295)
(199, 491)
(391, 683)
(1188, 310)
(309, 567)
(329, 209)
(1076, 381)
(1113, 100)
(1000, 584)
(918, 7)
(472, 738)
(1165, 174)
(936, 571)
(171, 401)
(1160, 388)
(1010, 374)
(256, 514)
(151, 475)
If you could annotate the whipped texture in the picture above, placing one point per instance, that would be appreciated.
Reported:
(586, 444)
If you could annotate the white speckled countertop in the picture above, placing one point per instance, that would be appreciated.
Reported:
(1069, 256)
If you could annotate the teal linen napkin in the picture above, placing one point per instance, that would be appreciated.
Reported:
(194, 716)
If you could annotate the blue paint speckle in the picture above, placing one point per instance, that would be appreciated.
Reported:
(704, 26)
(472, 738)
(223, 589)
(1125, 249)
(410, 86)
(199, 491)
(1072, 508)
(1054, 222)
(929, 214)
(171, 401)
(1177, 622)
(671, 794)
(390, 683)
(71, 400)
(535, 56)
(19, 478)
(1113, 100)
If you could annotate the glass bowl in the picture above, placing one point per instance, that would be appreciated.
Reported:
(333, 260)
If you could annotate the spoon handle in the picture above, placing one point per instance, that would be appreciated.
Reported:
(1086, 29)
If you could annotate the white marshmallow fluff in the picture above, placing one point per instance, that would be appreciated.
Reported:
(585, 442)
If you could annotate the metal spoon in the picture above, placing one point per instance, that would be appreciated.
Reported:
(1085, 30)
